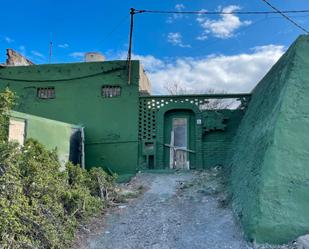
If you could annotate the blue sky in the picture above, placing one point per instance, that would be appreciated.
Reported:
(228, 53)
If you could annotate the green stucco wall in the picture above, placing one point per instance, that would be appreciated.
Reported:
(270, 175)
(110, 123)
(211, 131)
(220, 127)
(117, 129)
(52, 134)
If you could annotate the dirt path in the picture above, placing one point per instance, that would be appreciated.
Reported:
(183, 210)
(177, 211)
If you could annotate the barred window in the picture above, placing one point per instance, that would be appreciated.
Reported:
(110, 91)
(46, 92)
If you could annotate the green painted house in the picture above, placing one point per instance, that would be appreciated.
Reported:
(126, 129)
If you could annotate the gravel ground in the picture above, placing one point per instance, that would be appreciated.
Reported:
(184, 210)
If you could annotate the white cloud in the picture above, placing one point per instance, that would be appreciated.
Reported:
(224, 27)
(178, 7)
(77, 55)
(231, 73)
(176, 40)
(38, 54)
(22, 50)
(64, 45)
(202, 37)
(8, 39)
(149, 62)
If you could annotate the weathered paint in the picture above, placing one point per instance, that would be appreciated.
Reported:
(190, 134)
(53, 134)
(270, 173)
(111, 124)
(220, 127)
(210, 136)
(17, 129)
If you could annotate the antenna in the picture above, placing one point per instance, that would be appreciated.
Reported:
(50, 51)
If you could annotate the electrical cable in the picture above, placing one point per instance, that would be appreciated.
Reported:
(65, 79)
(218, 12)
(286, 17)
(113, 30)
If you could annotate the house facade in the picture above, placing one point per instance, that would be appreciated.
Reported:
(126, 128)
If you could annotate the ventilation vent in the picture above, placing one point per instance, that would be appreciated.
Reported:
(46, 93)
(110, 91)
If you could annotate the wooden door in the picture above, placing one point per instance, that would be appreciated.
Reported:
(179, 143)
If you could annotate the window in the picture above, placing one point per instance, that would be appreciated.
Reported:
(110, 91)
(46, 92)
(180, 132)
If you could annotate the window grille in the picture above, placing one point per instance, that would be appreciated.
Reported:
(46, 92)
(110, 91)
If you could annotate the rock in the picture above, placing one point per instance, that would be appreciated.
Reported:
(303, 242)
(207, 191)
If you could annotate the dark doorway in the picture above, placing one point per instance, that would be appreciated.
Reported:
(76, 147)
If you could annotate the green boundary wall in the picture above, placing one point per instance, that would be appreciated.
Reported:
(270, 155)
(211, 131)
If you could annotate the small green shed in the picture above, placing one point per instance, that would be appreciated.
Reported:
(67, 139)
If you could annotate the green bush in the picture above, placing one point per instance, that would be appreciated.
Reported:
(40, 206)
(6, 103)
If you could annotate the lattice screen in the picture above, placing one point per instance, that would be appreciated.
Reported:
(147, 120)
(149, 106)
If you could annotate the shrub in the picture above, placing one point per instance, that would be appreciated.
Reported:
(6, 103)
(40, 206)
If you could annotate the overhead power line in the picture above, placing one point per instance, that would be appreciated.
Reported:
(286, 17)
(276, 11)
(136, 11)
(113, 29)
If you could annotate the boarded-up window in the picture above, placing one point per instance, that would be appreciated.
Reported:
(110, 91)
(46, 92)
(17, 131)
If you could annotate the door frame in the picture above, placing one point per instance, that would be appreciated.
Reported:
(196, 138)
(169, 128)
